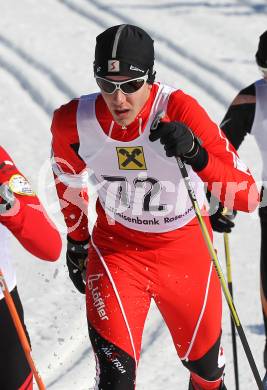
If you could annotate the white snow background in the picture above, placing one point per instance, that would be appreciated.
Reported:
(207, 49)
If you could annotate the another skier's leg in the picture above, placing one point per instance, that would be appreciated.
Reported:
(15, 371)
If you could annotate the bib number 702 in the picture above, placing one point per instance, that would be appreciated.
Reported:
(145, 188)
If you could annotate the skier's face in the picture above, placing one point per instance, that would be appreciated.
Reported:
(124, 108)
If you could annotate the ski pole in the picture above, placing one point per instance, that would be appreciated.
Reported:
(217, 266)
(20, 331)
(214, 259)
(230, 287)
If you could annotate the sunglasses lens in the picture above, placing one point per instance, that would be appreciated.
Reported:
(105, 85)
(132, 86)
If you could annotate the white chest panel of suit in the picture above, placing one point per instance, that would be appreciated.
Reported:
(137, 184)
(5, 261)
(259, 127)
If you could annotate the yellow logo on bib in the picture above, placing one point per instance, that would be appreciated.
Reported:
(19, 185)
(131, 158)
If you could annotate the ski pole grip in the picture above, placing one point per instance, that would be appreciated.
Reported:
(161, 116)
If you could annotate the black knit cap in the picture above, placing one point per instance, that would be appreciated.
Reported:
(125, 50)
(261, 55)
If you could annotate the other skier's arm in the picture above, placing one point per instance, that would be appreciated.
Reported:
(239, 117)
(23, 214)
(236, 124)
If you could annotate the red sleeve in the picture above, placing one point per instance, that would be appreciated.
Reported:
(226, 175)
(70, 171)
(27, 220)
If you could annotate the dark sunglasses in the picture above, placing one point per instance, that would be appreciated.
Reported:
(127, 86)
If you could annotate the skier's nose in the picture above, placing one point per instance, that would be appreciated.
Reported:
(119, 97)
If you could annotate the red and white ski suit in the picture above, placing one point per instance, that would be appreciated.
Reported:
(29, 223)
(159, 253)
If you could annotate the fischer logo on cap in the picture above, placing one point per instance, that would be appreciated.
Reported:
(113, 65)
(132, 67)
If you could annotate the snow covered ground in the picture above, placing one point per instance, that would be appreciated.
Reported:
(206, 48)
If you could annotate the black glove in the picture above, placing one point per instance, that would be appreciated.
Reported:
(179, 141)
(77, 255)
(222, 223)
